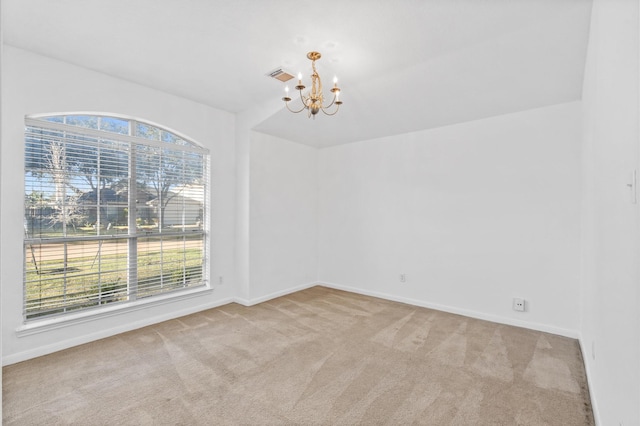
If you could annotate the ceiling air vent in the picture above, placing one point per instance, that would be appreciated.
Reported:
(279, 74)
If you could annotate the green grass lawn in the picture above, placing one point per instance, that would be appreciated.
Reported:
(92, 279)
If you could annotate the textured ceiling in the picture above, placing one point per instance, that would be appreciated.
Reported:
(403, 66)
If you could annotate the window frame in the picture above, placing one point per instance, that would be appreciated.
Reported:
(132, 236)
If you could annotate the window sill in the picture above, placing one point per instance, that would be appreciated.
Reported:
(44, 325)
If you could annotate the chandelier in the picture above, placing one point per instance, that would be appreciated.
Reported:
(313, 101)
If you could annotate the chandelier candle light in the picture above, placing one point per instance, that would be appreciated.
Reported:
(313, 101)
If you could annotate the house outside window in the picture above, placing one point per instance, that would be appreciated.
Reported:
(115, 211)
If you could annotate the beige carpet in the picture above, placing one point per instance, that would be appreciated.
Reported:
(319, 356)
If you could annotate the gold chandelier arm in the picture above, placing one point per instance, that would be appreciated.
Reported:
(333, 101)
(304, 101)
(331, 113)
(295, 112)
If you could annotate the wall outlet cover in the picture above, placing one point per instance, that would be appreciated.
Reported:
(518, 304)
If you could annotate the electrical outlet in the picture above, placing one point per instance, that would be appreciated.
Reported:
(632, 186)
(220, 280)
(403, 278)
(518, 304)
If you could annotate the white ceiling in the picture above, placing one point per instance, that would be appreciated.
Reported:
(403, 65)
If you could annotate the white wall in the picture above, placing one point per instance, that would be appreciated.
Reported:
(610, 324)
(284, 218)
(35, 84)
(474, 214)
(245, 122)
(1, 140)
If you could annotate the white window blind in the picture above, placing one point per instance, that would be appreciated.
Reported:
(115, 211)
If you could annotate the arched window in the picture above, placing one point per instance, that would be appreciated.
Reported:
(115, 211)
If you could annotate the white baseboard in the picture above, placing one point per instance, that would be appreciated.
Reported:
(587, 363)
(280, 293)
(101, 334)
(465, 312)
(64, 344)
